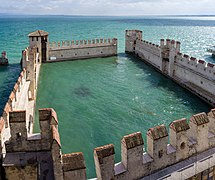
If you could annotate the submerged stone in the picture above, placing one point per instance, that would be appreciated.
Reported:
(82, 91)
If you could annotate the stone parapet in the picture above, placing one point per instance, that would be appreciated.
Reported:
(74, 166)
(32, 147)
(202, 67)
(21, 141)
(82, 43)
(186, 138)
(82, 49)
(11, 103)
(184, 142)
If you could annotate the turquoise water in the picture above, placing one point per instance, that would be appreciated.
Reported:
(98, 100)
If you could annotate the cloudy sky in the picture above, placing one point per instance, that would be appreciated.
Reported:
(108, 7)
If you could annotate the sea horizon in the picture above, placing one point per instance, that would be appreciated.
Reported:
(85, 15)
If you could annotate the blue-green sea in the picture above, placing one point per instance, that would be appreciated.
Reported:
(100, 100)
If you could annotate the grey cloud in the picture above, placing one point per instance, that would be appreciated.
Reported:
(108, 7)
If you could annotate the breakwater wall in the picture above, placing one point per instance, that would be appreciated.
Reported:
(82, 49)
(195, 75)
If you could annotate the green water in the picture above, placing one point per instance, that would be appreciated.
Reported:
(98, 101)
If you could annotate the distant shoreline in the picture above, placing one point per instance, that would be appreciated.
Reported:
(61, 15)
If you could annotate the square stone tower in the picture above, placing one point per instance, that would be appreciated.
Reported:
(131, 36)
(39, 39)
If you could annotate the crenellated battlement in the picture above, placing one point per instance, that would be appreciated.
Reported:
(34, 152)
(82, 49)
(200, 66)
(32, 142)
(82, 43)
(148, 45)
(168, 44)
(67, 49)
(21, 100)
(14, 98)
(185, 140)
(39, 148)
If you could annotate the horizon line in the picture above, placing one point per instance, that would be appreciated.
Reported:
(164, 15)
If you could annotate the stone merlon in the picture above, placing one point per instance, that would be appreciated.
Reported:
(17, 116)
(180, 125)
(199, 119)
(104, 151)
(157, 132)
(73, 161)
(133, 140)
(48, 114)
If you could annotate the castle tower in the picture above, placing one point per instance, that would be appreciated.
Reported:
(173, 51)
(131, 36)
(169, 50)
(39, 39)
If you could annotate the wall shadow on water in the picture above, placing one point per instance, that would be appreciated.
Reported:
(209, 58)
(157, 80)
(9, 75)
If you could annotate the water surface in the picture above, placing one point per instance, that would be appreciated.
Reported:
(98, 101)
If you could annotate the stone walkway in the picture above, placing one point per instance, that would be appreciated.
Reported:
(187, 168)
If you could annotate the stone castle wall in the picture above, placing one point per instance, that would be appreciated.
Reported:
(189, 148)
(12, 104)
(22, 98)
(82, 49)
(186, 140)
(149, 51)
(38, 156)
(195, 75)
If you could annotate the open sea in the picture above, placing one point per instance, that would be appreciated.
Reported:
(100, 100)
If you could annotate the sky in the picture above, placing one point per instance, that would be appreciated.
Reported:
(108, 7)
